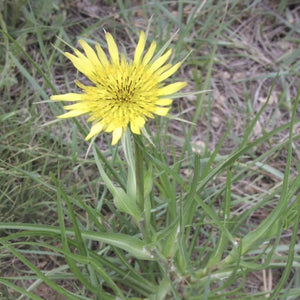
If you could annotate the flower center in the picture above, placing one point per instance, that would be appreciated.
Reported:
(124, 91)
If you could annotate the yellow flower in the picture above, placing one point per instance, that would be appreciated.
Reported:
(125, 93)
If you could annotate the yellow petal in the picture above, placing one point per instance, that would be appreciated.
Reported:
(163, 69)
(67, 97)
(82, 64)
(90, 53)
(139, 48)
(88, 64)
(161, 111)
(149, 53)
(164, 102)
(81, 85)
(110, 127)
(137, 124)
(135, 129)
(96, 128)
(160, 61)
(116, 135)
(71, 114)
(81, 106)
(102, 56)
(170, 72)
(123, 60)
(171, 88)
(112, 49)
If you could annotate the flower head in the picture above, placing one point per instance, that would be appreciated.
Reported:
(125, 93)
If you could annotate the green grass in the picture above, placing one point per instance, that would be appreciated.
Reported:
(219, 223)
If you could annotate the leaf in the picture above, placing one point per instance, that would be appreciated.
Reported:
(122, 201)
(170, 247)
(126, 204)
(132, 245)
(131, 179)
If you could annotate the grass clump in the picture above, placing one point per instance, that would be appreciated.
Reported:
(220, 213)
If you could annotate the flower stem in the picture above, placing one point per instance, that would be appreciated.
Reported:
(139, 174)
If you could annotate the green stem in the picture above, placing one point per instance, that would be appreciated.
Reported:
(139, 174)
